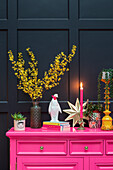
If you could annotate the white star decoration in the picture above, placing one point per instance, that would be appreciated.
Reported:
(74, 111)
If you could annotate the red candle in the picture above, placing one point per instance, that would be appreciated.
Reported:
(81, 100)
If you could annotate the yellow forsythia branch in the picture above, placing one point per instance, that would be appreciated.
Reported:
(28, 78)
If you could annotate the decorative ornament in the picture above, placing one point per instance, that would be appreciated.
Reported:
(74, 111)
(54, 108)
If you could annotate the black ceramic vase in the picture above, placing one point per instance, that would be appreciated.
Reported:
(35, 115)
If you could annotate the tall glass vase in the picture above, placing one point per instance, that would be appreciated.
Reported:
(35, 115)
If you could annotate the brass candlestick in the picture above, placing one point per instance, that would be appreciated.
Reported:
(106, 120)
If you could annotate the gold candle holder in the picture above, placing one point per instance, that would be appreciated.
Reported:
(81, 122)
(106, 120)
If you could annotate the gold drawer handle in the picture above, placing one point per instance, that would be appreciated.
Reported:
(86, 148)
(41, 148)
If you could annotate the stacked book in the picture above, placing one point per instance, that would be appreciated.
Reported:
(56, 125)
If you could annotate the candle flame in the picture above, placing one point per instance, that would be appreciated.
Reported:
(81, 85)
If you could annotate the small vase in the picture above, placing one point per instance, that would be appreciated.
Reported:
(19, 125)
(94, 120)
(35, 115)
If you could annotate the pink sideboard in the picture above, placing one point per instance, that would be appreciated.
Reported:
(41, 149)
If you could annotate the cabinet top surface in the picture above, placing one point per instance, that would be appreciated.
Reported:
(50, 132)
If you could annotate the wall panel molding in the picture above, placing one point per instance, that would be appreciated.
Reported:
(4, 65)
(95, 53)
(94, 9)
(42, 10)
(3, 9)
(3, 140)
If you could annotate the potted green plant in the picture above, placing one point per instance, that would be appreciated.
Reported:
(107, 76)
(19, 121)
(93, 112)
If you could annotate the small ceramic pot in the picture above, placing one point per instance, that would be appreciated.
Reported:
(104, 75)
(94, 120)
(19, 125)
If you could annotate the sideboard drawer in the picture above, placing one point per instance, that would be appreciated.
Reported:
(84, 147)
(41, 147)
(109, 147)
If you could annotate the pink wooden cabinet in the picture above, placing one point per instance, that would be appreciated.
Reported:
(42, 149)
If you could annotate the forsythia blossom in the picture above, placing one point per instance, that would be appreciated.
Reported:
(28, 78)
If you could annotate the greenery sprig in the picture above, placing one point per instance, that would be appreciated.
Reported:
(28, 78)
(91, 108)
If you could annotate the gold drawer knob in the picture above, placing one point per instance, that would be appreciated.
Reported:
(86, 148)
(41, 148)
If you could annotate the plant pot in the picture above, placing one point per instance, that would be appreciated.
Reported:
(94, 120)
(19, 125)
(35, 115)
(104, 75)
